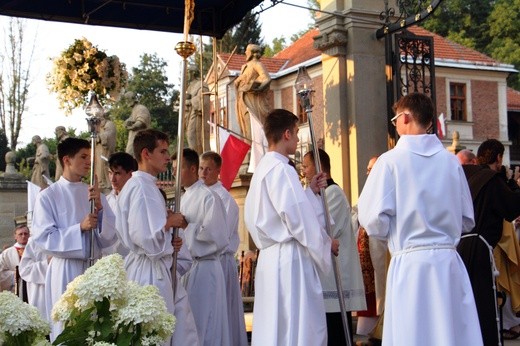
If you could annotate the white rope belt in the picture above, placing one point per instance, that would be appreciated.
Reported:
(423, 248)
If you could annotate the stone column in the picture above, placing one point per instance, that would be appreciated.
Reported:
(354, 91)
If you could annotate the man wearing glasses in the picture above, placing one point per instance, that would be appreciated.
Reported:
(10, 258)
(428, 289)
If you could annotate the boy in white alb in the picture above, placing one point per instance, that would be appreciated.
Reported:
(63, 222)
(205, 231)
(209, 170)
(429, 300)
(283, 222)
(144, 224)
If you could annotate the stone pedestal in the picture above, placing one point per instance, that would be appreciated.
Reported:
(354, 93)
(238, 192)
(13, 203)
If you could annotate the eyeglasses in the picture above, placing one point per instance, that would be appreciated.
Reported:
(394, 119)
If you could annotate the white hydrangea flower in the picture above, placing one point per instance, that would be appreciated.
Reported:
(41, 341)
(145, 306)
(103, 343)
(152, 340)
(63, 307)
(105, 279)
(17, 317)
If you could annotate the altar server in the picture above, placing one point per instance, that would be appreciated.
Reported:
(144, 226)
(209, 170)
(282, 220)
(429, 300)
(62, 222)
(33, 269)
(205, 231)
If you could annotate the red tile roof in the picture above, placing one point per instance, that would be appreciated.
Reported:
(513, 99)
(301, 50)
(445, 49)
(236, 61)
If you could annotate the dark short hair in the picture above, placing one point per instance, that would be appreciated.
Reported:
(211, 155)
(70, 147)
(123, 160)
(147, 139)
(420, 105)
(488, 151)
(324, 159)
(189, 155)
(277, 122)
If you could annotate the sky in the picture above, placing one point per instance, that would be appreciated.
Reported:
(51, 38)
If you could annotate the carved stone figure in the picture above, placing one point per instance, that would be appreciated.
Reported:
(41, 163)
(252, 87)
(61, 134)
(139, 119)
(105, 146)
(197, 113)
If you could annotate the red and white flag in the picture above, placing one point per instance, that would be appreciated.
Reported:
(233, 151)
(441, 126)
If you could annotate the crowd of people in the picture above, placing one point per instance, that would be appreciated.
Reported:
(417, 249)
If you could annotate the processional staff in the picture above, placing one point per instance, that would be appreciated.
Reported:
(185, 49)
(304, 88)
(95, 112)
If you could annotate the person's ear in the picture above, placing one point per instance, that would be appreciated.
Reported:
(145, 154)
(66, 160)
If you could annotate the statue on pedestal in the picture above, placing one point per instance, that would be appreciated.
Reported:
(197, 113)
(139, 119)
(105, 146)
(252, 90)
(41, 163)
(61, 134)
(10, 168)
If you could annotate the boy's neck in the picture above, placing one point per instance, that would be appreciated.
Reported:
(73, 178)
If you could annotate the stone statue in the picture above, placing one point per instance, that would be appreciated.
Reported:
(139, 120)
(105, 146)
(61, 134)
(197, 113)
(41, 163)
(10, 168)
(252, 87)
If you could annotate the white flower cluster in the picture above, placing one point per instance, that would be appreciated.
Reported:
(130, 303)
(81, 68)
(146, 307)
(106, 279)
(17, 317)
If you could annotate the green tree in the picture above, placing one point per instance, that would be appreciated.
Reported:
(462, 21)
(15, 80)
(504, 26)
(488, 26)
(150, 84)
(4, 148)
(277, 45)
(246, 32)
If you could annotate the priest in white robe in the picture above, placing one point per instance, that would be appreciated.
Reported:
(62, 222)
(144, 227)
(348, 259)
(209, 170)
(206, 236)
(10, 259)
(33, 269)
(284, 225)
(417, 198)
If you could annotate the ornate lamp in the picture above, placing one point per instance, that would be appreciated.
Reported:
(304, 88)
(95, 112)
